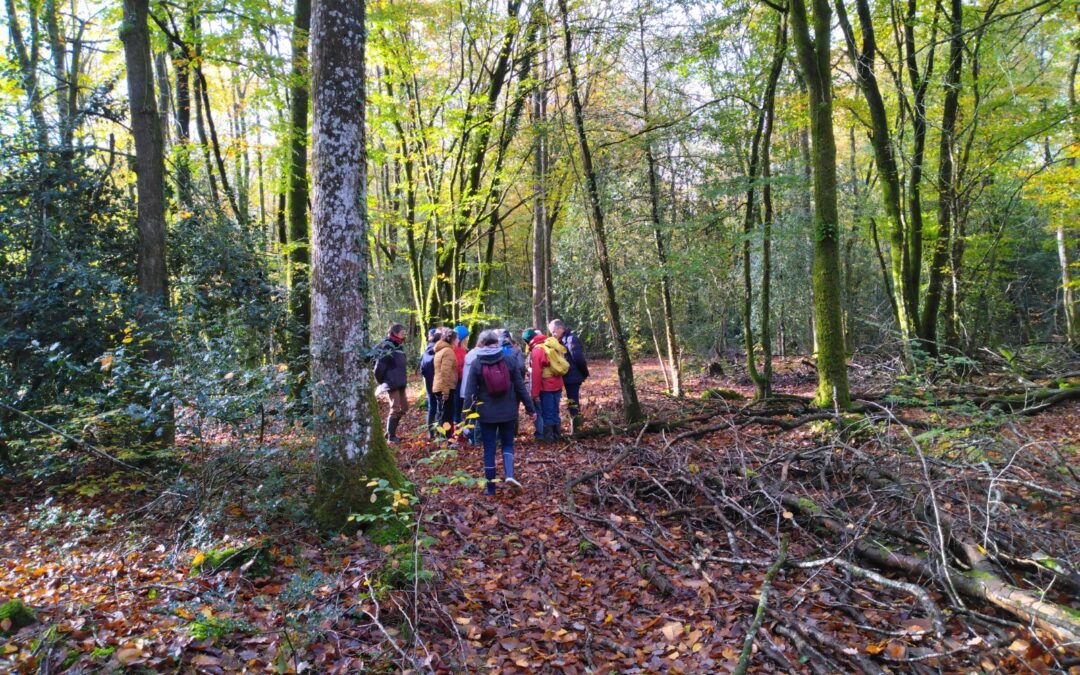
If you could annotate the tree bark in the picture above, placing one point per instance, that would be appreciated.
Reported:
(299, 256)
(153, 287)
(814, 57)
(946, 180)
(350, 445)
(631, 406)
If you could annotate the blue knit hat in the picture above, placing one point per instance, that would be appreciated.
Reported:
(462, 332)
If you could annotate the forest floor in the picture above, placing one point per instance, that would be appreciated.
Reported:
(627, 552)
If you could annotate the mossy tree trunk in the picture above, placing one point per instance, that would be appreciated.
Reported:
(350, 446)
(299, 256)
(814, 59)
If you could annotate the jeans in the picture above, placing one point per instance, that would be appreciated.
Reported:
(457, 403)
(573, 399)
(493, 433)
(538, 421)
(432, 410)
(549, 407)
(445, 410)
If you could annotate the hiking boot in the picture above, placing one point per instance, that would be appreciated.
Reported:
(514, 486)
(391, 431)
(549, 434)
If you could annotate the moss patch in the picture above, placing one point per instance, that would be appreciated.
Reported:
(725, 394)
(236, 557)
(341, 484)
(14, 615)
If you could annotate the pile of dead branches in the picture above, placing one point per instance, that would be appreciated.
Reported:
(947, 543)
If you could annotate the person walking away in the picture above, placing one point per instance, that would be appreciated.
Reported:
(427, 371)
(444, 384)
(527, 336)
(460, 353)
(548, 367)
(578, 373)
(495, 390)
(391, 372)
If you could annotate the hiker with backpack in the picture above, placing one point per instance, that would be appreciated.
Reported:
(445, 380)
(577, 373)
(548, 364)
(391, 372)
(427, 371)
(495, 390)
(460, 353)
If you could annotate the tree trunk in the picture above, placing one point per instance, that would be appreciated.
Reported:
(946, 180)
(769, 213)
(1068, 293)
(631, 406)
(884, 156)
(350, 445)
(153, 286)
(814, 57)
(658, 237)
(764, 126)
(539, 277)
(919, 85)
(182, 79)
(299, 256)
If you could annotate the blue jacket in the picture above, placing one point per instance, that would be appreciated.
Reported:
(575, 354)
(495, 409)
(427, 365)
(391, 366)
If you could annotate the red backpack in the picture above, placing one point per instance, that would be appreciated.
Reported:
(496, 377)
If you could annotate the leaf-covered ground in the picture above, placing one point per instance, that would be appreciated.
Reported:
(624, 572)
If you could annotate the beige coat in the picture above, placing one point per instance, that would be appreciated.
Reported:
(445, 369)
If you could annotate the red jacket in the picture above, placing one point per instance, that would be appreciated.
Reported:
(460, 353)
(538, 359)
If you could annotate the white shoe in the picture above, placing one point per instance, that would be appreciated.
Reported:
(514, 486)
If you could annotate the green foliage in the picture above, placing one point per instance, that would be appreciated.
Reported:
(14, 615)
(208, 627)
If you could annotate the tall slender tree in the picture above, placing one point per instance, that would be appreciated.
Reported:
(631, 406)
(946, 179)
(350, 446)
(658, 234)
(814, 59)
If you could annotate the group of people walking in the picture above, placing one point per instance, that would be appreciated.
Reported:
(476, 394)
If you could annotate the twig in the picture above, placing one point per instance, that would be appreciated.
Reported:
(759, 615)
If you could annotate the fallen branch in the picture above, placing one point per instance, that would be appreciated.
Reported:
(77, 441)
(759, 615)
